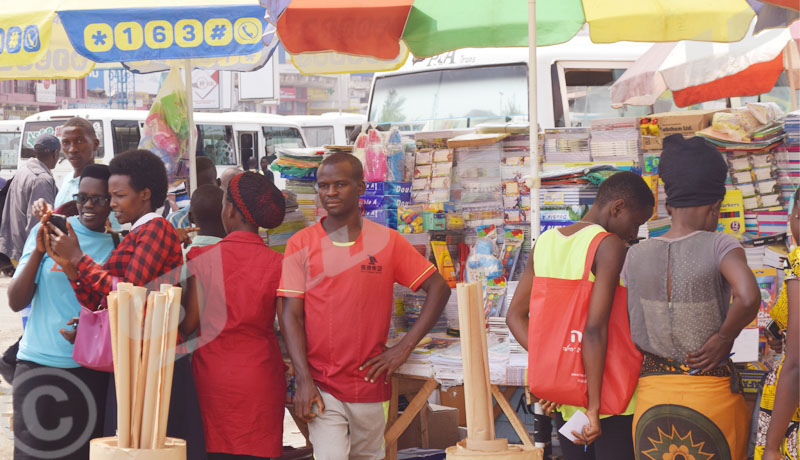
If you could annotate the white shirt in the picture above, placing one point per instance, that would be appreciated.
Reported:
(144, 219)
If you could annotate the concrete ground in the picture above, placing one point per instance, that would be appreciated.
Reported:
(10, 331)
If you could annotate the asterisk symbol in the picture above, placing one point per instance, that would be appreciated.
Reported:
(99, 38)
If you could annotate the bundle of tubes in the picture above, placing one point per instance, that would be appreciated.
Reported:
(144, 331)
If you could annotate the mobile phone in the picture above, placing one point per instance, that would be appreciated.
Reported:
(774, 330)
(59, 221)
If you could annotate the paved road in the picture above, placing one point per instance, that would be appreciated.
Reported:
(11, 329)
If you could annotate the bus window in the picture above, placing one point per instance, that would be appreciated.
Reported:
(496, 93)
(348, 132)
(281, 136)
(317, 136)
(216, 142)
(9, 149)
(588, 95)
(247, 149)
(34, 128)
(125, 135)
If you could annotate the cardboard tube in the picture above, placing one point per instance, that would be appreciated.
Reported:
(174, 294)
(138, 307)
(141, 375)
(113, 324)
(480, 420)
(122, 376)
(153, 369)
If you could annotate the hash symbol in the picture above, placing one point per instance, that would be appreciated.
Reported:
(218, 32)
(99, 38)
(13, 40)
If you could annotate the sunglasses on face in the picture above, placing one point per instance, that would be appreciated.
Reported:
(97, 200)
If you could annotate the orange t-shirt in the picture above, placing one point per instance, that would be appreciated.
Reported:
(347, 290)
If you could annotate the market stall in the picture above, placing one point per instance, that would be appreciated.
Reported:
(463, 199)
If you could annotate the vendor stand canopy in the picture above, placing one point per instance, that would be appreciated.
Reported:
(66, 38)
(698, 72)
(369, 35)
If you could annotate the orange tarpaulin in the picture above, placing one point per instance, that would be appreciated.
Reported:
(361, 27)
(757, 79)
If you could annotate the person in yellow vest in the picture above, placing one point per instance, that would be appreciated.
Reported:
(624, 202)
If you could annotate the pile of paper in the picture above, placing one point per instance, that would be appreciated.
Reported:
(567, 145)
(144, 333)
(615, 139)
(297, 163)
(306, 198)
(656, 227)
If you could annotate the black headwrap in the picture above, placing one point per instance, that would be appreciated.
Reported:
(693, 172)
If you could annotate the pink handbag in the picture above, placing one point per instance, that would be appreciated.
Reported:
(93, 341)
(92, 347)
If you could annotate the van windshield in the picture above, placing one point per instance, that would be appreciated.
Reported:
(281, 136)
(9, 149)
(34, 128)
(474, 95)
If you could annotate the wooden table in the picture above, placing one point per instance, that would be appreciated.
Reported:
(417, 390)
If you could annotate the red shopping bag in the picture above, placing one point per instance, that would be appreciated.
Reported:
(558, 311)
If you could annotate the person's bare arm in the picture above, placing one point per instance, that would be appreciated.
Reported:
(191, 304)
(787, 393)
(517, 318)
(744, 308)
(438, 292)
(22, 288)
(293, 330)
(608, 263)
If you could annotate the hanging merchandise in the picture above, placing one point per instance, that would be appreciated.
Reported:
(512, 245)
(494, 298)
(360, 148)
(395, 156)
(482, 263)
(375, 158)
(166, 129)
(444, 262)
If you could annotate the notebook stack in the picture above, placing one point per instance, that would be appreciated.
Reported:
(567, 145)
(615, 139)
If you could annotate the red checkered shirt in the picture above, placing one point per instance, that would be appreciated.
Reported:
(149, 253)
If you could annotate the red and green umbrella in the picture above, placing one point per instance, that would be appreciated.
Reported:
(345, 36)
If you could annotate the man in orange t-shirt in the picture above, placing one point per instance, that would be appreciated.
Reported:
(337, 282)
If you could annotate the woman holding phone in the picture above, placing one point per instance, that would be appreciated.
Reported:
(148, 256)
(45, 365)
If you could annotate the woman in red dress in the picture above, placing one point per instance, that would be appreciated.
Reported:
(232, 299)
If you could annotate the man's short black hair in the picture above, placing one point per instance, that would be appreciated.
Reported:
(626, 186)
(206, 171)
(341, 157)
(85, 125)
(146, 171)
(96, 171)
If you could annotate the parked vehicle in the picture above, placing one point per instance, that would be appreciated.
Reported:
(230, 138)
(331, 128)
(10, 142)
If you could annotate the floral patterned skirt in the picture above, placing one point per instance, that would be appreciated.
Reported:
(789, 448)
(682, 416)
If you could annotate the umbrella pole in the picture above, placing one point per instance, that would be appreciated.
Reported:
(533, 120)
(187, 76)
(533, 117)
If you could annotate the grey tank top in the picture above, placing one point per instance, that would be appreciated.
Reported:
(673, 324)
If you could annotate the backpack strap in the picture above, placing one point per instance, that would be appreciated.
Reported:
(590, 254)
